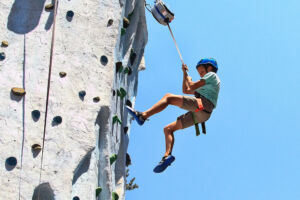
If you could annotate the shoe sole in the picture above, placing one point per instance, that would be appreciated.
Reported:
(132, 113)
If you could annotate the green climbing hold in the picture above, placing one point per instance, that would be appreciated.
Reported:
(123, 31)
(113, 158)
(126, 22)
(49, 7)
(127, 70)
(115, 196)
(62, 74)
(4, 44)
(18, 91)
(98, 191)
(119, 66)
(132, 56)
(116, 119)
(123, 93)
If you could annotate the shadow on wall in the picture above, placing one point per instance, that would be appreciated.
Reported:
(43, 191)
(25, 15)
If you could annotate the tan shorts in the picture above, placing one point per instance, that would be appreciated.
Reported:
(191, 104)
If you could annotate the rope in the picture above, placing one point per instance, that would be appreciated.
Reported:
(48, 86)
(175, 43)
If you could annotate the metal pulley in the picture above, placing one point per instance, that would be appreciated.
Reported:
(161, 12)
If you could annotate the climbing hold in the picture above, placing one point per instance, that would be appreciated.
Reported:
(125, 129)
(123, 31)
(126, 22)
(36, 115)
(116, 119)
(70, 15)
(104, 60)
(132, 56)
(128, 160)
(110, 22)
(98, 191)
(76, 198)
(119, 66)
(11, 161)
(130, 15)
(2, 56)
(62, 74)
(49, 7)
(36, 147)
(4, 44)
(128, 70)
(113, 158)
(114, 93)
(128, 103)
(82, 94)
(115, 196)
(18, 91)
(57, 120)
(122, 93)
(96, 99)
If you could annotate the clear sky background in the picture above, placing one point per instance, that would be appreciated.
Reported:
(252, 146)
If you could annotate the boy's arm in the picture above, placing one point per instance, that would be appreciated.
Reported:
(188, 86)
(186, 81)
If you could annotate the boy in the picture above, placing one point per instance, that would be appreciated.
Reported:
(200, 107)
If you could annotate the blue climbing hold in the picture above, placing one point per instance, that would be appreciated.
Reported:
(36, 114)
(164, 163)
(104, 60)
(57, 120)
(2, 56)
(82, 94)
(11, 161)
(70, 15)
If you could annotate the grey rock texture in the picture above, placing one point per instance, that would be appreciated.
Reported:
(77, 150)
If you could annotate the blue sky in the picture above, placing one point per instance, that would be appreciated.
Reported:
(251, 150)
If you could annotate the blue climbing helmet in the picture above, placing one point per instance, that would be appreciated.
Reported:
(208, 61)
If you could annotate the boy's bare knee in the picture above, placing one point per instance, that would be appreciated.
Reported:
(168, 129)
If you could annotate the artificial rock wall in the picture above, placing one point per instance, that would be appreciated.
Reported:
(94, 74)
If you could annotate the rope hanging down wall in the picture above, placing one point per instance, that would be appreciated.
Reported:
(48, 85)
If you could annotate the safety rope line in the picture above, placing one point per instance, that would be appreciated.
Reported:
(23, 115)
(175, 43)
(48, 86)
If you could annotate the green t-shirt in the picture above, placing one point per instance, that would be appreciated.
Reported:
(211, 88)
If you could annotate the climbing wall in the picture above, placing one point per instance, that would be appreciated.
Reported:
(67, 70)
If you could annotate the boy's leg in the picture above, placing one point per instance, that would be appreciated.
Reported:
(169, 136)
(176, 100)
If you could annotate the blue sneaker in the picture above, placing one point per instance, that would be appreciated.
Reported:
(137, 115)
(164, 163)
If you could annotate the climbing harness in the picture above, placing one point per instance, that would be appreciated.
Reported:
(48, 86)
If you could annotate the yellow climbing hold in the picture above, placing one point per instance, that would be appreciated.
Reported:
(113, 158)
(126, 22)
(49, 6)
(4, 44)
(36, 147)
(115, 196)
(18, 91)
